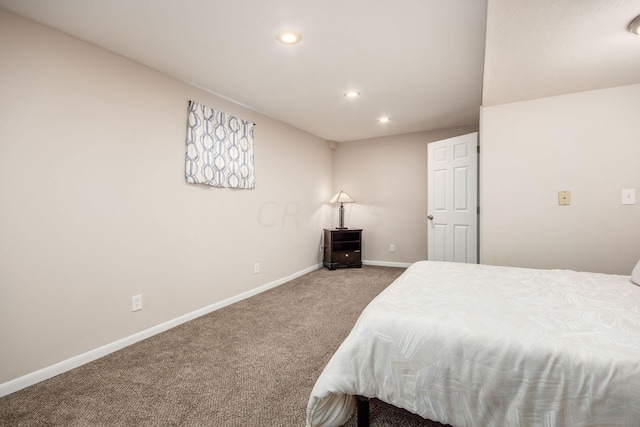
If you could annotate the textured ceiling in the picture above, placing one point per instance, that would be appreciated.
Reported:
(418, 61)
(541, 48)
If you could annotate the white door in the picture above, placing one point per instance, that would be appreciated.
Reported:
(453, 199)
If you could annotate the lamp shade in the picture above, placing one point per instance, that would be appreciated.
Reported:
(342, 197)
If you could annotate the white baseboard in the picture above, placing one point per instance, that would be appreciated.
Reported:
(387, 263)
(66, 365)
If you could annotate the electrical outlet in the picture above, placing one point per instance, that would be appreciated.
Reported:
(256, 268)
(136, 302)
(392, 248)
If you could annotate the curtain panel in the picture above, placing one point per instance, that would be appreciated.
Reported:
(219, 149)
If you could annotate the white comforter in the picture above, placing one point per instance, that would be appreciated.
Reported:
(477, 345)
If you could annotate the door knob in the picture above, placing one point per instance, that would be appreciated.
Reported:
(430, 217)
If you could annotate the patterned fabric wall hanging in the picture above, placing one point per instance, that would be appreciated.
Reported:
(219, 149)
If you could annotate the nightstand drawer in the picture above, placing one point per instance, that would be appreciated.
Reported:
(345, 257)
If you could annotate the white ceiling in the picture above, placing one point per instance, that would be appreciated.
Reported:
(540, 48)
(418, 61)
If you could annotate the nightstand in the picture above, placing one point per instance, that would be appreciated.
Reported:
(342, 248)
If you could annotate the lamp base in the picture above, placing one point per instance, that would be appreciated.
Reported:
(341, 220)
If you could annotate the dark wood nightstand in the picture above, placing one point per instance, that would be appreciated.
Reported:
(342, 248)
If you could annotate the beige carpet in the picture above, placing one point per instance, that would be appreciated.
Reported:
(250, 364)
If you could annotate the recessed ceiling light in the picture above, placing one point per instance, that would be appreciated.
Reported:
(288, 37)
(384, 119)
(352, 94)
(634, 26)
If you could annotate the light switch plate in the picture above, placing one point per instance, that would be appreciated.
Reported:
(628, 196)
(564, 198)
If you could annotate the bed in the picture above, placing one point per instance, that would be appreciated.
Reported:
(479, 345)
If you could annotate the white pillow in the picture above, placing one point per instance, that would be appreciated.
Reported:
(635, 274)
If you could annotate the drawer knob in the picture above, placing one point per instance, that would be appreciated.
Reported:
(346, 255)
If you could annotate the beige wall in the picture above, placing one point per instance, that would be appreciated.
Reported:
(387, 177)
(588, 143)
(94, 207)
